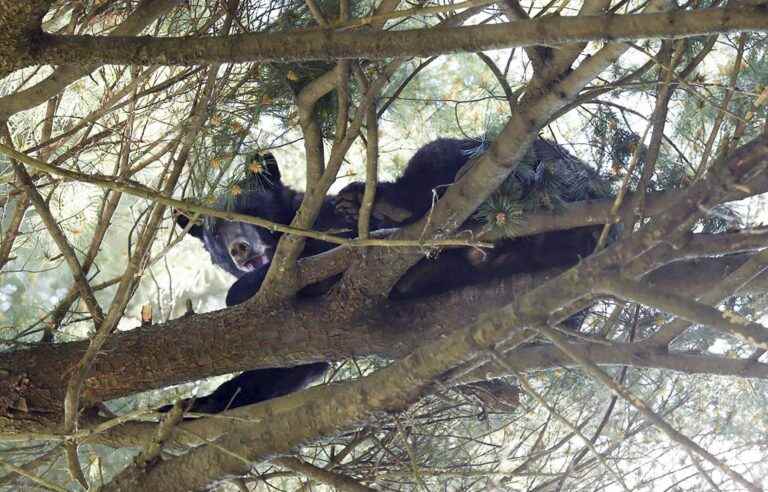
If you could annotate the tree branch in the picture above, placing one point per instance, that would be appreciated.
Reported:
(391, 389)
(143, 16)
(335, 45)
(335, 480)
(748, 331)
(370, 278)
(658, 421)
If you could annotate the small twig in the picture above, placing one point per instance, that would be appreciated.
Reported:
(552, 411)
(73, 464)
(673, 434)
(510, 95)
(619, 200)
(703, 472)
(316, 13)
(706, 153)
(399, 14)
(658, 120)
(371, 173)
(335, 480)
(404, 84)
(412, 458)
(12, 230)
(152, 450)
(139, 190)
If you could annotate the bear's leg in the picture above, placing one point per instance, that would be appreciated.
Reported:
(385, 213)
(258, 385)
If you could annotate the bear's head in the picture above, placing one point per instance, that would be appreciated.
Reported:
(239, 247)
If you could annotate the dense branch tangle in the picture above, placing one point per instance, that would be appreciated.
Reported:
(166, 134)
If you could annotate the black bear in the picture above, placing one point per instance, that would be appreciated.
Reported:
(546, 177)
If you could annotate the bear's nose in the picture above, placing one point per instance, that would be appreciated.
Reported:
(239, 249)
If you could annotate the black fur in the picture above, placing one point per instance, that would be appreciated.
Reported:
(252, 387)
(240, 248)
(434, 166)
(245, 250)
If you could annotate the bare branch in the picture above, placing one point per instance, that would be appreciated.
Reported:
(751, 332)
(673, 434)
(333, 45)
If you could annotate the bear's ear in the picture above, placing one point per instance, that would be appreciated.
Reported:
(264, 168)
(182, 221)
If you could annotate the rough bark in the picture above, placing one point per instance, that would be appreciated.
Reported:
(220, 342)
(181, 349)
(286, 422)
(336, 45)
(20, 29)
(29, 42)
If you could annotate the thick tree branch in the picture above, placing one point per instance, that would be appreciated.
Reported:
(241, 345)
(228, 341)
(20, 23)
(544, 357)
(335, 45)
(323, 410)
(301, 332)
(715, 294)
(143, 16)
(393, 388)
(540, 357)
